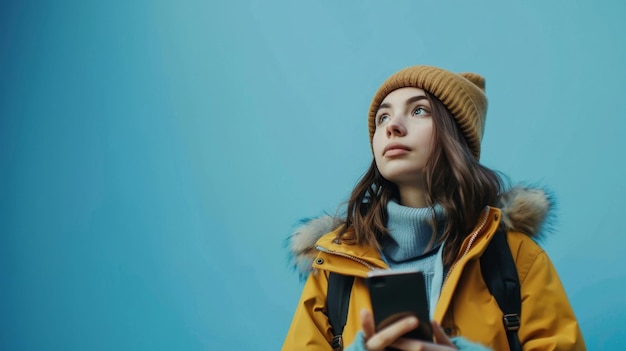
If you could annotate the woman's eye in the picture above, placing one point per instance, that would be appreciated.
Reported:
(383, 118)
(419, 111)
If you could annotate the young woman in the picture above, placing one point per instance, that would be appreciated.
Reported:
(426, 203)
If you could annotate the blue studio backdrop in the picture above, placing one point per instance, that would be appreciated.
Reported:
(154, 155)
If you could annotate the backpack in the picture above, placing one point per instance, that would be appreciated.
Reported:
(503, 284)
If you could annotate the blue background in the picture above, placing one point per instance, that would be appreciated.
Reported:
(154, 155)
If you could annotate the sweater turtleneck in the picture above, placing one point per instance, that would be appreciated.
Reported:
(410, 233)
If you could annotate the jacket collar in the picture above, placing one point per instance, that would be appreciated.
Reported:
(521, 209)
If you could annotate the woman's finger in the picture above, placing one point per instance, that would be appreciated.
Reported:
(387, 336)
(367, 324)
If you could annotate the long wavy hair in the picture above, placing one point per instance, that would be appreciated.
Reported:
(454, 179)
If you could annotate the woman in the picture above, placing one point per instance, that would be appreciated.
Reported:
(427, 203)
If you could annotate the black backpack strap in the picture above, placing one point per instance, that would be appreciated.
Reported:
(337, 302)
(500, 275)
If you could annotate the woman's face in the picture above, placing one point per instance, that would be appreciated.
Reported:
(403, 139)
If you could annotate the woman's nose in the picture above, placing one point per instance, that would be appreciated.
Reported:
(395, 128)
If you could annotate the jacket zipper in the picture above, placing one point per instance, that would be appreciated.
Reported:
(469, 245)
(319, 248)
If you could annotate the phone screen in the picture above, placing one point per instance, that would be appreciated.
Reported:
(398, 294)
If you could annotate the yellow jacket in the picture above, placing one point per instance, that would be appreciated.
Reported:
(465, 306)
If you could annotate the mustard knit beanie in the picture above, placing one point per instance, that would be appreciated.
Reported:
(463, 94)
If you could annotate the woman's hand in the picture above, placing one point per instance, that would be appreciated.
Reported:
(391, 336)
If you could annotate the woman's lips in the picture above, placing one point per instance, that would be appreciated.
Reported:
(396, 152)
(395, 149)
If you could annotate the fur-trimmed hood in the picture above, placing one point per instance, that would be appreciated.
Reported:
(525, 210)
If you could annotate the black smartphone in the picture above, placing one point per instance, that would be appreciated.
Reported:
(398, 294)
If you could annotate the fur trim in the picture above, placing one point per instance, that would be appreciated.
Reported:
(301, 243)
(527, 210)
(524, 209)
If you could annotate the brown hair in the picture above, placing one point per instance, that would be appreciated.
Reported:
(454, 179)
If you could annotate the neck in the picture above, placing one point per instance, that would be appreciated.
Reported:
(411, 196)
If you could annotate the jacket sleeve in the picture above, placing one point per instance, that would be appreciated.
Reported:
(547, 319)
(310, 329)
